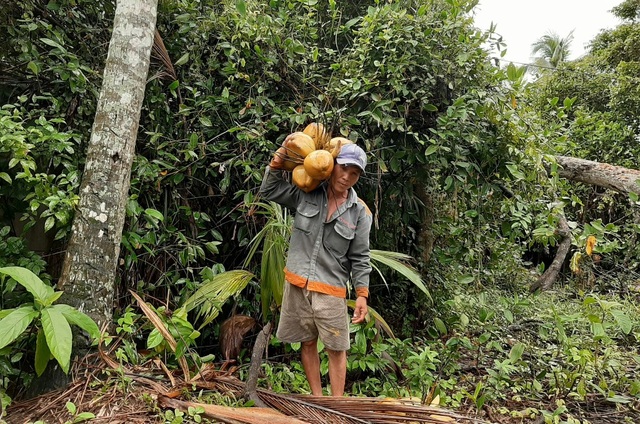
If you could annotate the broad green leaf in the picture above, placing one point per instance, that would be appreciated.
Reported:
(71, 407)
(154, 339)
(49, 223)
(431, 150)
(241, 6)
(623, 320)
(80, 319)
(29, 281)
(86, 416)
(516, 352)
(512, 72)
(183, 59)
(442, 328)
(5, 177)
(33, 67)
(15, 323)
(51, 299)
(5, 312)
(513, 169)
(43, 354)
(52, 43)
(598, 330)
(508, 316)
(466, 279)
(58, 335)
(620, 399)
(154, 214)
(464, 320)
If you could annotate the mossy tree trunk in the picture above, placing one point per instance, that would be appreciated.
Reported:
(89, 270)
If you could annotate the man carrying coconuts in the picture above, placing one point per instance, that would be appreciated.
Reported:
(329, 247)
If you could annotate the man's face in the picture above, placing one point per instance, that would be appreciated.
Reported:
(344, 177)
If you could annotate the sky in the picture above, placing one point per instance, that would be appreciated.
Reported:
(522, 22)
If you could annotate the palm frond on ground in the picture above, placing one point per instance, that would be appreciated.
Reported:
(324, 409)
(97, 390)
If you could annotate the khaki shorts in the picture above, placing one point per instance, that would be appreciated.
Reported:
(308, 315)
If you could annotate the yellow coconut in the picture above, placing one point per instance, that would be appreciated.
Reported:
(334, 141)
(319, 164)
(299, 146)
(318, 132)
(289, 165)
(303, 180)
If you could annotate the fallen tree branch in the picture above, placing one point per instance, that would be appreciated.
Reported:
(546, 280)
(250, 390)
(618, 178)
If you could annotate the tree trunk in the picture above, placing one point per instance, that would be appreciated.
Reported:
(426, 237)
(550, 275)
(613, 177)
(89, 270)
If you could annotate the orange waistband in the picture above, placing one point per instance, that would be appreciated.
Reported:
(317, 286)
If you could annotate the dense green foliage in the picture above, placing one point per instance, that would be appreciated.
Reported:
(461, 178)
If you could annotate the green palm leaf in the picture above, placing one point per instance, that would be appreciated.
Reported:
(213, 293)
(400, 263)
(274, 239)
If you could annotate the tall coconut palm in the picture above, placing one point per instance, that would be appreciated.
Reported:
(551, 50)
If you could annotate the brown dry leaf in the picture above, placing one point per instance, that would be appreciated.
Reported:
(232, 332)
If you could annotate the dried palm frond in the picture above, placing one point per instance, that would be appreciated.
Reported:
(345, 410)
(159, 52)
(388, 410)
(232, 332)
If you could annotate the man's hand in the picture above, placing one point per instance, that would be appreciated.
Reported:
(278, 158)
(360, 311)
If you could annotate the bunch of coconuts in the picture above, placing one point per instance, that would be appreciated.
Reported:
(310, 155)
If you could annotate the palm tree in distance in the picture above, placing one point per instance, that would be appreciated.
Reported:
(551, 50)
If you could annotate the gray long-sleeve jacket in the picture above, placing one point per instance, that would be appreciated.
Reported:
(323, 254)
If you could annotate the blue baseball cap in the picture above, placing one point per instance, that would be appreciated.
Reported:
(351, 154)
